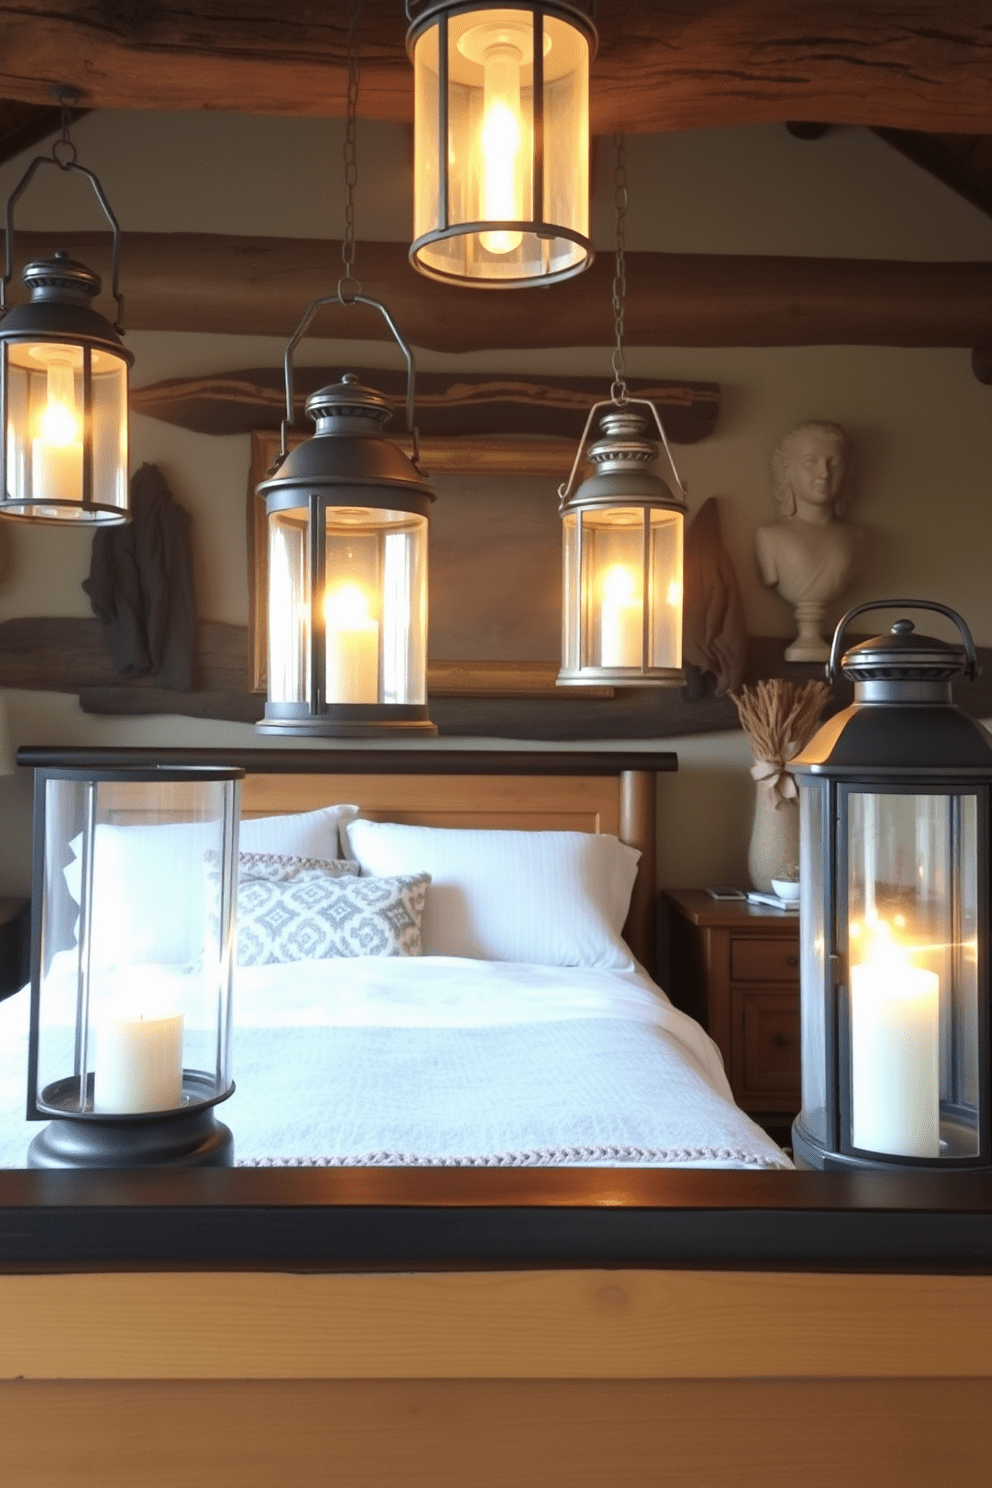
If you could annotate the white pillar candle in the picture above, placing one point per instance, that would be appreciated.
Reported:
(621, 620)
(139, 1059)
(57, 451)
(352, 647)
(895, 1057)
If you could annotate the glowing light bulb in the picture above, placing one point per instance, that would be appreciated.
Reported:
(57, 450)
(501, 140)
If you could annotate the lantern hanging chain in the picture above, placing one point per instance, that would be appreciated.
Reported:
(63, 149)
(618, 391)
(348, 285)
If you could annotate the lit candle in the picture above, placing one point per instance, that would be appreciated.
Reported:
(895, 1052)
(621, 619)
(352, 647)
(139, 1059)
(57, 450)
(500, 139)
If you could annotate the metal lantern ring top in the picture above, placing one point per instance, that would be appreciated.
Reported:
(895, 799)
(622, 559)
(347, 547)
(63, 382)
(501, 141)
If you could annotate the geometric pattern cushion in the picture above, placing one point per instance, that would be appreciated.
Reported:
(313, 915)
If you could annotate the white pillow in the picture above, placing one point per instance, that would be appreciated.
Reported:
(138, 867)
(551, 898)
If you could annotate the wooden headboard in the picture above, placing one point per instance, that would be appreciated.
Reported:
(535, 790)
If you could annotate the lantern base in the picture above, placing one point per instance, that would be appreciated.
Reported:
(189, 1139)
(621, 677)
(346, 720)
(957, 1155)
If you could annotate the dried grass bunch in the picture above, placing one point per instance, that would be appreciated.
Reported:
(779, 719)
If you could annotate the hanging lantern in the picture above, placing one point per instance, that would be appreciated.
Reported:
(622, 560)
(133, 901)
(895, 806)
(347, 541)
(501, 141)
(63, 383)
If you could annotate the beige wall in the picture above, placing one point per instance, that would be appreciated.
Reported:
(921, 424)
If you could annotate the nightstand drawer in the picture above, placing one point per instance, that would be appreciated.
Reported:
(763, 960)
(766, 1039)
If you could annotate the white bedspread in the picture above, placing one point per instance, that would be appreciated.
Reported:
(444, 1061)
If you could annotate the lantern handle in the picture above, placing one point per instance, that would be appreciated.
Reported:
(69, 164)
(972, 668)
(565, 490)
(411, 372)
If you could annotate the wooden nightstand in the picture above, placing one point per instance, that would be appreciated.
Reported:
(735, 968)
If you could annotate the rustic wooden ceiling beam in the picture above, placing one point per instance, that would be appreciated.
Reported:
(261, 286)
(900, 64)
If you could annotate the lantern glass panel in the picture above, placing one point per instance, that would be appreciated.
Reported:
(912, 932)
(133, 963)
(375, 605)
(289, 606)
(816, 989)
(614, 558)
(46, 434)
(491, 146)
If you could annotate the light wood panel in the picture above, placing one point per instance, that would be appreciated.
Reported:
(534, 803)
(927, 1433)
(210, 282)
(699, 64)
(494, 1325)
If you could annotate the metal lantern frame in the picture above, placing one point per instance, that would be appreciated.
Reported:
(625, 484)
(902, 737)
(297, 478)
(60, 313)
(537, 224)
(80, 1133)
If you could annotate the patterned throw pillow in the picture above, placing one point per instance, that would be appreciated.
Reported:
(312, 914)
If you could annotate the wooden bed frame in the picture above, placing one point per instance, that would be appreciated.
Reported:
(481, 1327)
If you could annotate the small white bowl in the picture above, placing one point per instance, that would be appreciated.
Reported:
(786, 889)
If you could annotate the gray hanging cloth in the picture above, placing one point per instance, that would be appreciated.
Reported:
(141, 586)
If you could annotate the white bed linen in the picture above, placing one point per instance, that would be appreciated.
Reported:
(446, 1061)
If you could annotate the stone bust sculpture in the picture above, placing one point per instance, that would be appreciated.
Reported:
(808, 554)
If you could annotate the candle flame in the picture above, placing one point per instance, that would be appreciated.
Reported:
(346, 606)
(619, 584)
(59, 425)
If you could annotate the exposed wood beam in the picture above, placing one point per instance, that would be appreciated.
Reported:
(902, 64)
(212, 282)
(962, 161)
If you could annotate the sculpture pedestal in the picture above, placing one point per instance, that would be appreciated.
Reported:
(809, 644)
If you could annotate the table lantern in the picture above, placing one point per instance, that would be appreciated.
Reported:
(894, 799)
(135, 875)
(622, 560)
(501, 141)
(347, 516)
(63, 383)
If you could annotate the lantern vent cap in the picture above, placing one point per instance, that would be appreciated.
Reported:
(621, 460)
(61, 276)
(904, 656)
(349, 399)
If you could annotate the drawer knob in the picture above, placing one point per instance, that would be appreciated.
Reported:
(792, 960)
(782, 1041)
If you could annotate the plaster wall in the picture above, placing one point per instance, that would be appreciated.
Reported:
(920, 422)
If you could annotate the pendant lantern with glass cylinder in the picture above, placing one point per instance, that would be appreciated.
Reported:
(501, 141)
(622, 534)
(63, 381)
(895, 798)
(347, 516)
